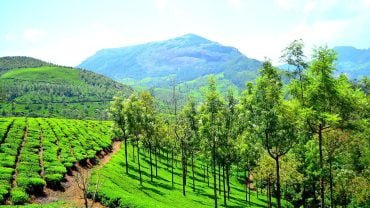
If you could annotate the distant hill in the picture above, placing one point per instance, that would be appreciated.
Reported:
(55, 91)
(187, 58)
(353, 62)
(14, 62)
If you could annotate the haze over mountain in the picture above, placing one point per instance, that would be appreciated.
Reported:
(187, 57)
(192, 57)
(353, 62)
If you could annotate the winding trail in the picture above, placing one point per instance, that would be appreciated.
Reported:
(72, 194)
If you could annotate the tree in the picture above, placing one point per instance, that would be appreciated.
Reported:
(322, 97)
(119, 116)
(210, 119)
(148, 124)
(275, 119)
(294, 56)
(81, 178)
(135, 122)
(190, 114)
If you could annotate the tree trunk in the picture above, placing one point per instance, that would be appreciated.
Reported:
(214, 171)
(133, 151)
(156, 161)
(246, 185)
(207, 175)
(331, 183)
(269, 192)
(126, 155)
(204, 173)
(172, 168)
(223, 178)
(184, 169)
(167, 159)
(322, 188)
(228, 180)
(151, 163)
(138, 161)
(278, 193)
(192, 169)
(249, 193)
(219, 178)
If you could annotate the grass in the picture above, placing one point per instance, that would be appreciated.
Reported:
(123, 190)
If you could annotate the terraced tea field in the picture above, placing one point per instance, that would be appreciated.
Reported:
(38, 152)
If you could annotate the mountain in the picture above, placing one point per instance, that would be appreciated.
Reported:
(353, 62)
(188, 57)
(55, 91)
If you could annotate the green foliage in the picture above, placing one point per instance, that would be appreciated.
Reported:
(19, 196)
(63, 142)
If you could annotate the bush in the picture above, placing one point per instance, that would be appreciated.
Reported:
(18, 196)
(56, 169)
(53, 178)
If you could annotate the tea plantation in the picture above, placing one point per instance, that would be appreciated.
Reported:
(38, 152)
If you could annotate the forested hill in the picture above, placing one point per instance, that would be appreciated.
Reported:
(187, 57)
(14, 62)
(353, 62)
(55, 91)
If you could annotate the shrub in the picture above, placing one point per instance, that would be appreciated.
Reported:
(53, 178)
(56, 169)
(18, 196)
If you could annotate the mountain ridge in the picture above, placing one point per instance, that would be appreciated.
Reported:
(186, 57)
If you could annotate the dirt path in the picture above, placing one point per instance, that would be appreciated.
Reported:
(72, 194)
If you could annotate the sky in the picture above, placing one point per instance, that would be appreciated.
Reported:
(66, 32)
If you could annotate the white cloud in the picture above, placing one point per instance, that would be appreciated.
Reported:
(161, 4)
(33, 34)
(284, 4)
(309, 7)
(235, 3)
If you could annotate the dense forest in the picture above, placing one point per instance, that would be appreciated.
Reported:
(305, 141)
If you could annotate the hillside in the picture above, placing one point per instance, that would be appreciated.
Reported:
(187, 57)
(353, 62)
(14, 62)
(124, 190)
(54, 91)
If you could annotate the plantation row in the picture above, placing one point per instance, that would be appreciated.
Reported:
(35, 152)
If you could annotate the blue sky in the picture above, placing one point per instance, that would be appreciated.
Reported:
(67, 31)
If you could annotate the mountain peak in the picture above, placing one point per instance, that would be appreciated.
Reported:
(191, 39)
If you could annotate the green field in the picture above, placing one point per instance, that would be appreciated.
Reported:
(35, 152)
(119, 189)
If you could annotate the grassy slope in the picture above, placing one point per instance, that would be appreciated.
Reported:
(51, 74)
(53, 91)
(14, 62)
(159, 194)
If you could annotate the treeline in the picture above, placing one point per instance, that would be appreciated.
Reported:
(306, 141)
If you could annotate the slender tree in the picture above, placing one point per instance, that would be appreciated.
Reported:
(210, 121)
(118, 114)
(322, 97)
(275, 120)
